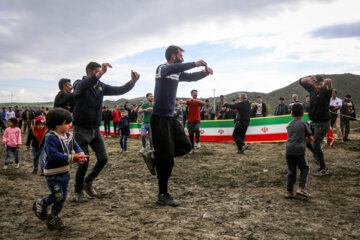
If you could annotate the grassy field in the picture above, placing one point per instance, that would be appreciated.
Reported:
(224, 196)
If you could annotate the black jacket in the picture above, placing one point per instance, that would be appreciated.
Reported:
(33, 138)
(106, 116)
(124, 126)
(31, 115)
(243, 110)
(263, 110)
(89, 93)
(64, 100)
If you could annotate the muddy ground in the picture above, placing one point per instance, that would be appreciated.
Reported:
(223, 196)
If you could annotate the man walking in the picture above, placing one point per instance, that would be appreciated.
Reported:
(242, 121)
(146, 109)
(320, 91)
(168, 135)
(89, 93)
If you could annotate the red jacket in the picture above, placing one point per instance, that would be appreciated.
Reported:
(116, 115)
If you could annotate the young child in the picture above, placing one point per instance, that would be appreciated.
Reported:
(61, 149)
(124, 127)
(37, 137)
(298, 131)
(12, 140)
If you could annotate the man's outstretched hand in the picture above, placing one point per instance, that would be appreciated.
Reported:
(134, 77)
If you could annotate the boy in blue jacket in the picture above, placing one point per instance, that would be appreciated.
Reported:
(124, 126)
(61, 150)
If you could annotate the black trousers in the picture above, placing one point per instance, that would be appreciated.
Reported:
(294, 161)
(345, 128)
(194, 127)
(116, 133)
(239, 133)
(107, 128)
(169, 141)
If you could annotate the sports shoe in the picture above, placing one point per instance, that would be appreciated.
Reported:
(167, 199)
(302, 193)
(17, 166)
(245, 147)
(198, 145)
(89, 189)
(54, 222)
(192, 151)
(79, 197)
(40, 210)
(289, 194)
(321, 172)
(150, 162)
(142, 150)
(5, 167)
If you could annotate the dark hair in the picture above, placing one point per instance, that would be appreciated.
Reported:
(172, 50)
(63, 82)
(307, 96)
(57, 117)
(258, 96)
(281, 98)
(335, 90)
(297, 110)
(92, 66)
(148, 94)
(207, 100)
(348, 95)
(221, 95)
(194, 90)
(233, 100)
(14, 121)
(319, 78)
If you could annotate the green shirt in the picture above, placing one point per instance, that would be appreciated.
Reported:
(146, 115)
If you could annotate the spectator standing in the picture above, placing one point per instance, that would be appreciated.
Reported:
(116, 119)
(259, 109)
(349, 114)
(65, 98)
(27, 116)
(10, 114)
(281, 108)
(124, 128)
(335, 106)
(219, 105)
(307, 104)
(12, 141)
(106, 117)
(146, 109)
(194, 106)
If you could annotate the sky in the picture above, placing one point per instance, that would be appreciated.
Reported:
(258, 45)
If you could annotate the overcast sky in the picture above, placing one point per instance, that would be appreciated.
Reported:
(258, 45)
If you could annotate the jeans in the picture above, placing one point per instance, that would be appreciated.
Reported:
(146, 127)
(239, 133)
(9, 152)
(116, 132)
(320, 131)
(123, 142)
(59, 187)
(194, 127)
(38, 154)
(294, 161)
(107, 128)
(85, 137)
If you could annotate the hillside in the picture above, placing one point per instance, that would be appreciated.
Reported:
(344, 83)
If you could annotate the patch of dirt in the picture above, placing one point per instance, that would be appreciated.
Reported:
(223, 195)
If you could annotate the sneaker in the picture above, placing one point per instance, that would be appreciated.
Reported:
(192, 151)
(245, 147)
(40, 210)
(150, 163)
(198, 145)
(5, 167)
(54, 222)
(79, 197)
(17, 165)
(89, 189)
(321, 172)
(302, 193)
(167, 199)
(142, 150)
(289, 194)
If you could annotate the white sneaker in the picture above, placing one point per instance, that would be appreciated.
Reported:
(198, 145)
(191, 152)
(142, 150)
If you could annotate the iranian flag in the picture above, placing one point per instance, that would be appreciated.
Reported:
(265, 129)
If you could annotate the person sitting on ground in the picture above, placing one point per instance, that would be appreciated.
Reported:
(37, 137)
(298, 132)
(65, 98)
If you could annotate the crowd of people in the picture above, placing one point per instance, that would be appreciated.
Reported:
(162, 117)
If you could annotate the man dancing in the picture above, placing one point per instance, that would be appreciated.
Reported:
(242, 121)
(169, 138)
(89, 93)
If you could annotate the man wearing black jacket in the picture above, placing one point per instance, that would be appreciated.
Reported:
(106, 117)
(64, 99)
(242, 121)
(89, 93)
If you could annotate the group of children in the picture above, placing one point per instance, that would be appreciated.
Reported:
(58, 150)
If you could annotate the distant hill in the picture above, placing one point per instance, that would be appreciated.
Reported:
(345, 84)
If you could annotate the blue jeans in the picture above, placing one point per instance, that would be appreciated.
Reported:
(85, 137)
(59, 187)
(145, 127)
(123, 142)
(9, 152)
(38, 154)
